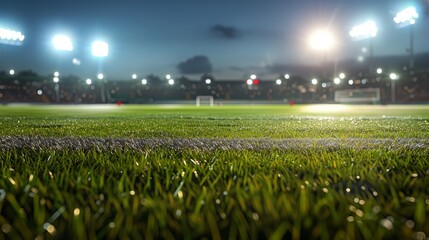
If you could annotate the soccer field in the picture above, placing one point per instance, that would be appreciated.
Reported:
(307, 171)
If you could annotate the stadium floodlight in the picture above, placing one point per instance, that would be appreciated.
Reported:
(62, 43)
(351, 82)
(56, 74)
(408, 17)
(39, 92)
(144, 81)
(88, 81)
(100, 49)
(278, 81)
(393, 76)
(314, 81)
(76, 61)
(11, 72)
(365, 30)
(171, 81)
(337, 81)
(342, 75)
(12, 37)
(379, 70)
(100, 76)
(56, 79)
(253, 76)
(249, 82)
(360, 58)
(168, 76)
(322, 40)
(134, 76)
(208, 81)
(287, 76)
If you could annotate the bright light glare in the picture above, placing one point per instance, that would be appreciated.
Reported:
(100, 49)
(367, 29)
(208, 81)
(406, 16)
(56, 74)
(379, 70)
(76, 61)
(134, 76)
(324, 85)
(287, 76)
(171, 81)
(168, 76)
(360, 58)
(39, 92)
(326, 108)
(144, 81)
(393, 76)
(56, 79)
(9, 36)
(351, 82)
(249, 82)
(100, 76)
(88, 81)
(314, 81)
(278, 81)
(12, 72)
(62, 43)
(322, 40)
(342, 75)
(337, 81)
(253, 76)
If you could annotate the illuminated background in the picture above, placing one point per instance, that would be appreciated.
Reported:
(236, 37)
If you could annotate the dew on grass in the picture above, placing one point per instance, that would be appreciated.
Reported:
(178, 212)
(410, 199)
(325, 190)
(410, 223)
(419, 235)
(112, 225)
(255, 216)
(218, 201)
(375, 193)
(348, 190)
(386, 223)
(359, 213)
(2, 194)
(414, 175)
(350, 219)
(225, 193)
(223, 215)
(6, 228)
(76, 212)
(49, 228)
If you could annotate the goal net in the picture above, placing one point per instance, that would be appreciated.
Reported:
(366, 95)
(204, 100)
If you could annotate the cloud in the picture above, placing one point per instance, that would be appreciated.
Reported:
(225, 31)
(195, 65)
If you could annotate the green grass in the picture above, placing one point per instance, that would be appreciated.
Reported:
(220, 122)
(162, 193)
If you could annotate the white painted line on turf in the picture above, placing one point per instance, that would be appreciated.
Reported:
(205, 144)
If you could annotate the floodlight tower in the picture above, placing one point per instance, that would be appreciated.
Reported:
(11, 37)
(366, 30)
(100, 50)
(404, 18)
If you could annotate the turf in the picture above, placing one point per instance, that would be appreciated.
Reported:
(159, 191)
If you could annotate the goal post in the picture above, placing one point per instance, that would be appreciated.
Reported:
(204, 100)
(365, 95)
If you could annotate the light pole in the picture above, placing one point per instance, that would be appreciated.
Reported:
(100, 50)
(56, 80)
(404, 18)
(366, 30)
(11, 37)
(393, 77)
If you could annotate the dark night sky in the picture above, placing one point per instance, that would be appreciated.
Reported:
(238, 37)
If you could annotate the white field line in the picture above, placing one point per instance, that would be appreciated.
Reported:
(205, 144)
